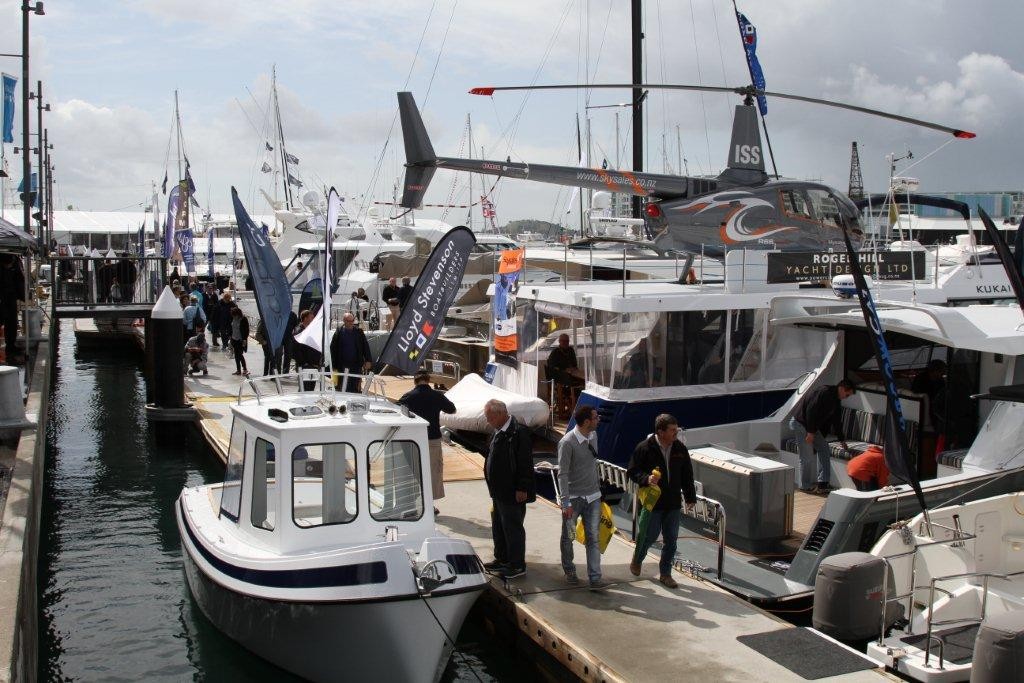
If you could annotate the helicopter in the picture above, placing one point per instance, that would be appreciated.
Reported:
(743, 207)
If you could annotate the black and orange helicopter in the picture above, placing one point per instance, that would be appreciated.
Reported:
(743, 207)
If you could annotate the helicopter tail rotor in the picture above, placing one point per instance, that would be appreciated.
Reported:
(420, 160)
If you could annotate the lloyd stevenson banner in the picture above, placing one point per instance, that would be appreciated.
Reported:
(421, 319)
(813, 266)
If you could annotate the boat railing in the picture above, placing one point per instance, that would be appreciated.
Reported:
(309, 380)
(958, 537)
(984, 576)
(707, 510)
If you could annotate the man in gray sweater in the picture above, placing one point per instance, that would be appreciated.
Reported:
(579, 490)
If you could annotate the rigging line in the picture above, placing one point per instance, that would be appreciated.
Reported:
(246, 114)
(721, 58)
(934, 151)
(664, 94)
(600, 47)
(700, 81)
(440, 51)
(514, 124)
(365, 206)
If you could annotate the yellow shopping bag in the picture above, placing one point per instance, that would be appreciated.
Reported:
(605, 528)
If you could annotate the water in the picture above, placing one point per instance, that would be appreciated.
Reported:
(113, 597)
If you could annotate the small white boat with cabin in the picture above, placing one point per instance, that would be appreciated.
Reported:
(319, 551)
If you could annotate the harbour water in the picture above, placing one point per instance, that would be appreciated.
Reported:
(113, 598)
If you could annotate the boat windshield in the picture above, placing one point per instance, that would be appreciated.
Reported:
(676, 348)
(396, 481)
(324, 484)
(231, 491)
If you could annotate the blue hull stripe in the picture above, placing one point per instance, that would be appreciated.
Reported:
(319, 577)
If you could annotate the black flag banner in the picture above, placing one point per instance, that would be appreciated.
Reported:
(420, 322)
(1009, 265)
(898, 457)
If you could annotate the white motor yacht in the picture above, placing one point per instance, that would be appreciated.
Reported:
(963, 567)
(319, 551)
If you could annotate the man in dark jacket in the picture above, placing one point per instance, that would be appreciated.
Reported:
(429, 403)
(12, 290)
(405, 292)
(815, 416)
(289, 342)
(223, 318)
(508, 471)
(390, 296)
(350, 352)
(664, 451)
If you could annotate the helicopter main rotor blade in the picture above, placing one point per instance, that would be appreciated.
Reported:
(743, 90)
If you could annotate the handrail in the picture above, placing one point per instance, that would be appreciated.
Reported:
(373, 385)
(885, 599)
(985, 576)
(707, 510)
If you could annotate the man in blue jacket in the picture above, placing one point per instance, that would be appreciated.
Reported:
(508, 471)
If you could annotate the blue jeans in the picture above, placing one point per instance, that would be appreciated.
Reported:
(666, 524)
(807, 454)
(591, 514)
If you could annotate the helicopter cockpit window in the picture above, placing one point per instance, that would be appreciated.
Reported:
(795, 204)
(826, 209)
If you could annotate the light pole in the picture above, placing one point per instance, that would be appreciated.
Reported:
(41, 151)
(26, 163)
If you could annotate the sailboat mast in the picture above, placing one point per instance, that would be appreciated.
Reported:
(469, 128)
(280, 142)
(638, 99)
(177, 137)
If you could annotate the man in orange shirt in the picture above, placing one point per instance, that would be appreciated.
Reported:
(868, 470)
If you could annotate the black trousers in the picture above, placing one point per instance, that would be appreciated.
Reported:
(236, 345)
(9, 312)
(271, 361)
(508, 533)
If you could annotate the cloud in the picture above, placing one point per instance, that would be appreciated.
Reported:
(339, 65)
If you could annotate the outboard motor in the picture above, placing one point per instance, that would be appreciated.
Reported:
(999, 649)
(847, 597)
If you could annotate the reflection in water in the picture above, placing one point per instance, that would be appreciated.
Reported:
(113, 597)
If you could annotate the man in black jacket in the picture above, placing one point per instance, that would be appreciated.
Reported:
(815, 416)
(428, 403)
(12, 290)
(405, 292)
(350, 352)
(508, 470)
(663, 451)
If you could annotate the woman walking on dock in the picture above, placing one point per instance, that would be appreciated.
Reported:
(239, 337)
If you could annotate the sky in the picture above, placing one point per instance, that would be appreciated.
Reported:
(110, 70)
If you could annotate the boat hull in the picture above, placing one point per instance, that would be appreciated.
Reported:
(396, 638)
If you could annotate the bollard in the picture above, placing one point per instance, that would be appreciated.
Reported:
(168, 342)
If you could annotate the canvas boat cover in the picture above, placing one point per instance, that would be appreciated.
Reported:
(472, 392)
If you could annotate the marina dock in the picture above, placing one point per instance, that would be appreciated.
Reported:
(637, 629)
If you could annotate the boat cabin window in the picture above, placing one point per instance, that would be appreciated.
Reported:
(231, 491)
(324, 484)
(263, 513)
(396, 481)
